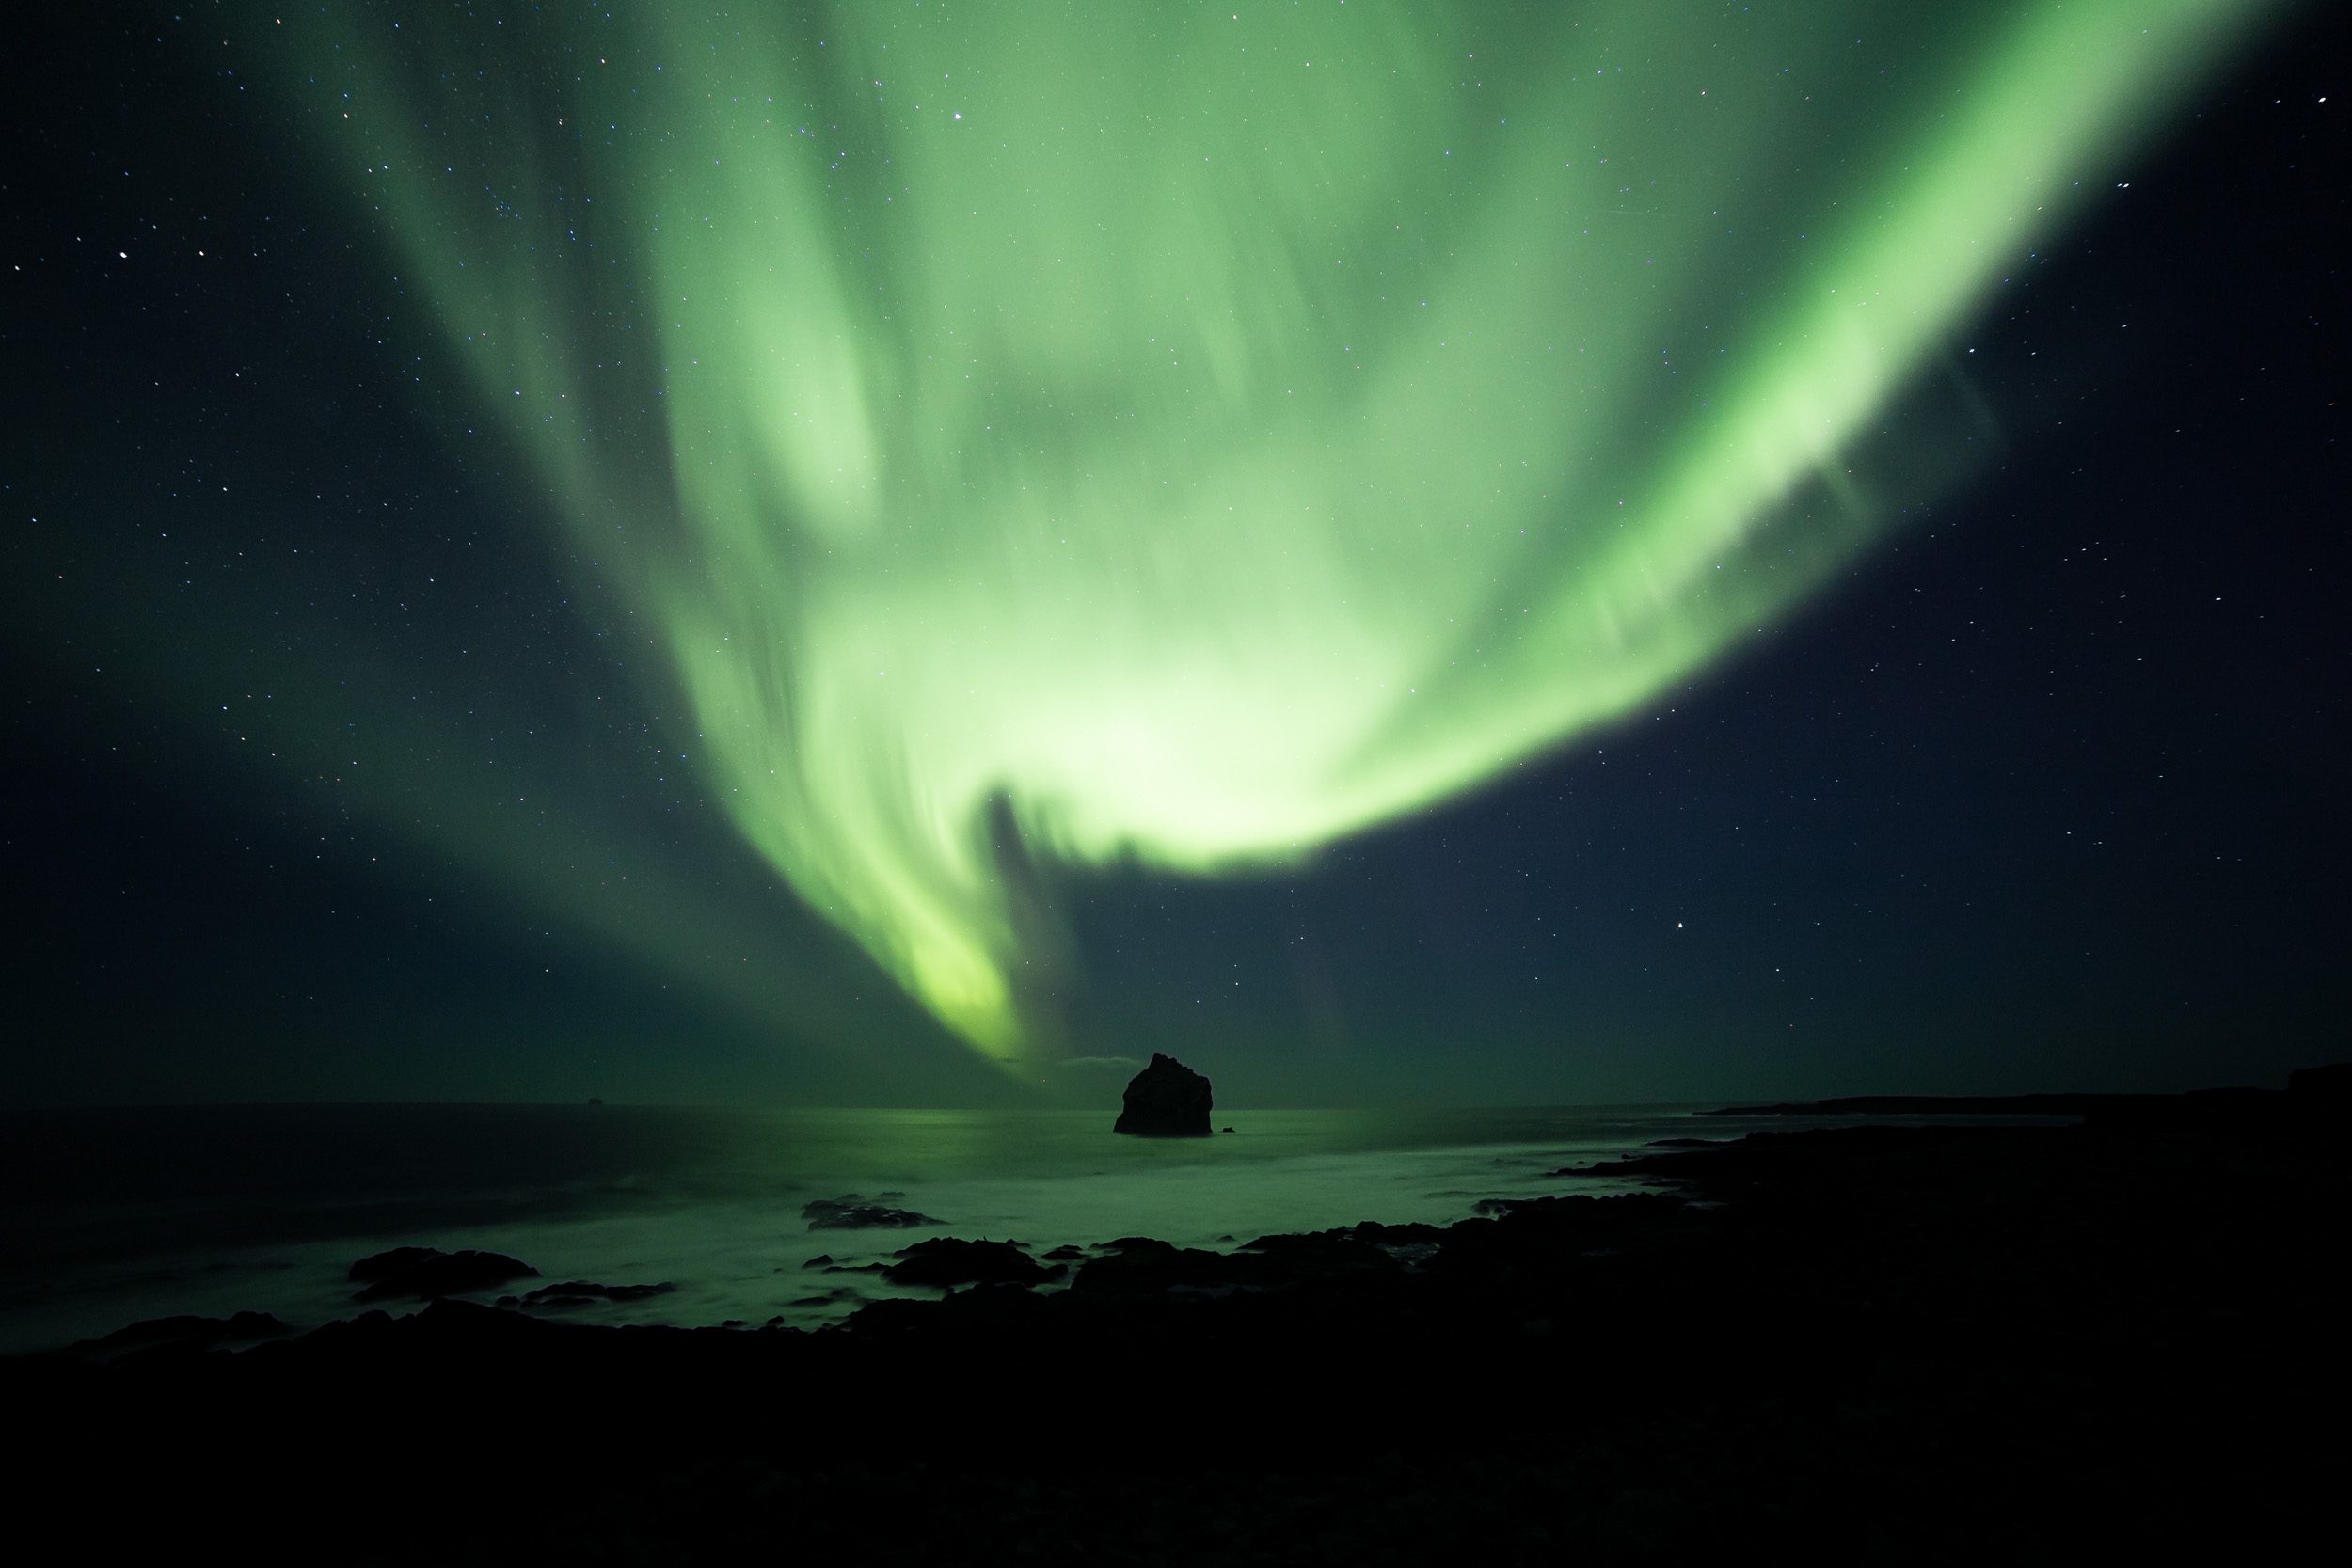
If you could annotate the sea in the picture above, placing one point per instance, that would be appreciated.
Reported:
(111, 1217)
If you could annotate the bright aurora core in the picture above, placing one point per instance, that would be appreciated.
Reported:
(1050, 434)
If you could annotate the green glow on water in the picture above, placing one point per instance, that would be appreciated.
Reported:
(1074, 434)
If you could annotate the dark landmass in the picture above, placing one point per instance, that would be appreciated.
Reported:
(1166, 1100)
(2310, 1092)
(2049, 1343)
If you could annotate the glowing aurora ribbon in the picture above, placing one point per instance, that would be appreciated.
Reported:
(1155, 431)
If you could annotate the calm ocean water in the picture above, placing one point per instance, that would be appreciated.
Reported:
(112, 1217)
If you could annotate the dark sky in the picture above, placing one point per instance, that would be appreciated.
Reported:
(2045, 792)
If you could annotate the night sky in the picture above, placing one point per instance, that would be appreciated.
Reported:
(914, 554)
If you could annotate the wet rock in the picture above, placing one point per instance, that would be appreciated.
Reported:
(580, 1292)
(442, 1273)
(834, 1297)
(851, 1213)
(819, 1261)
(1166, 1100)
(1271, 1262)
(1065, 1254)
(1224, 1130)
(949, 1261)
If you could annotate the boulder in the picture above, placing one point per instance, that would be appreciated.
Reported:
(1166, 1100)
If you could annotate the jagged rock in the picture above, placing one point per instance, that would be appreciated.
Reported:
(1166, 1100)
(439, 1274)
(948, 1260)
(851, 1213)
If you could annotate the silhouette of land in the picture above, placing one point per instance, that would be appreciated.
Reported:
(2046, 1344)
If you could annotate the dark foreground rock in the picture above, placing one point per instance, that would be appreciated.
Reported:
(948, 1260)
(424, 1272)
(2051, 1344)
(384, 1265)
(852, 1212)
(201, 1333)
(1166, 1100)
(581, 1292)
(2312, 1095)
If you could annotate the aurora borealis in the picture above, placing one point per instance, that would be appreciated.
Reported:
(1207, 434)
(915, 461)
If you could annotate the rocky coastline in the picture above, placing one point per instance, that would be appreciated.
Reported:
(1940, 1343)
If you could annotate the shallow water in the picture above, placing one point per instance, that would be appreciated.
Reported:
(114, 1216)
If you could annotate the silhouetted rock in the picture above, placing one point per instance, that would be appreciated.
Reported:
(2331, 1085)
(195, 1331)
(1166, 1100)
(1225, 1130)
(851, 1213)
(1137, 1263)
(948, 1260)
(580, 1292)
(819, 1261)
(2197, 1108)
(1065, 1254)
(443, 1274)
(383, 1265)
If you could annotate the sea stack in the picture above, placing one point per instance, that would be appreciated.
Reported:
(1166, 1100)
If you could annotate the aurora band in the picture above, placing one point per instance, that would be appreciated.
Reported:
(1194, 436)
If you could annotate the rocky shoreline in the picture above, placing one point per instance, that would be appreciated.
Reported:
(2046, 1344)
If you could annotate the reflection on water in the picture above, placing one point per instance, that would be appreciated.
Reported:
(117, 1215)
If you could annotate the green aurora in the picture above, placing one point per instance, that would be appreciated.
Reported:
(1049, 434)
